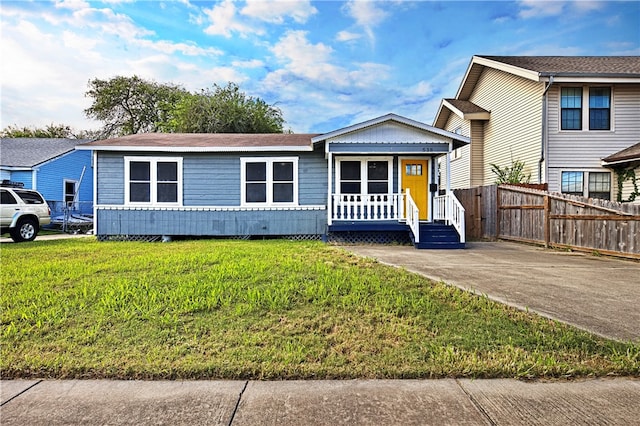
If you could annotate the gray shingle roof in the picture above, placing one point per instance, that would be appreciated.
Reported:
(628, 154)
(574, 65)
(29, 152)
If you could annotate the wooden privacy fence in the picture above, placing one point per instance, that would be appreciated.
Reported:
(555, 220)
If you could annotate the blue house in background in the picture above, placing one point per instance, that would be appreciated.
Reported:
(367, 182)
(53, 167)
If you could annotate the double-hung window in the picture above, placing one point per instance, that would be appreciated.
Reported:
(153, 180)
(571, 108)
(269, 181)
(599, 108)
(364, 176)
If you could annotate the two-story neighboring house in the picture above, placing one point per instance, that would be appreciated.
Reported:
(559, 115)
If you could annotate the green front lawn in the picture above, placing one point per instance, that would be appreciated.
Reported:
(265, 310)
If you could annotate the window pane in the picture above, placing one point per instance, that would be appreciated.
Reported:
(599, 97)
(167, 193)
(256, 172)
(598, 119)
(571, 119)
(350, 187)
(30, 197)
(282, 192)
(7, 198)
(377, 188)
(256, 192)
(140, 192)
(571, 97)
(350, 170)
(168, 172)
(377, 170)
(140, 170)
(283, 171)
(572, 183)
(599, 182)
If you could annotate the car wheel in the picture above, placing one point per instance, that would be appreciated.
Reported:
(25, 230)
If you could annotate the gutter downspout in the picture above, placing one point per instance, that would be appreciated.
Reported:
(545, 128)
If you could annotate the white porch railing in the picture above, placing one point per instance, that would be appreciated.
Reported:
(413, 216)
(369, 207)
(399, 207)
(448, 208)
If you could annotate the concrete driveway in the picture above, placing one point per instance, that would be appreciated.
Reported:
(597, 294)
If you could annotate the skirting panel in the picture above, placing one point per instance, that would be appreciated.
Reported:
(382, 237)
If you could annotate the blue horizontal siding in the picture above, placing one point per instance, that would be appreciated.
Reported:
(214, 179)
(51, 176)
(24, 176)
(211, 223)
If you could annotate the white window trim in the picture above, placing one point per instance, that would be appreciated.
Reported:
(585, 180)
(153, 179)
(585, 109)
(363, 171)
(269, 161)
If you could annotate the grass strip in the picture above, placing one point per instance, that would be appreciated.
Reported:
(219, 309)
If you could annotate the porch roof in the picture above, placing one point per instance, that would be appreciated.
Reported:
(391, 133)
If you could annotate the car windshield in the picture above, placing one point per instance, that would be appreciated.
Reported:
(30, 197)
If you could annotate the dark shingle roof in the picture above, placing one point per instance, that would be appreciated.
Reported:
(574, 65)
(244, 141)
(627, 154)
(29, 152)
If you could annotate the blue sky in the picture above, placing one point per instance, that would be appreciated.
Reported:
(325, 64)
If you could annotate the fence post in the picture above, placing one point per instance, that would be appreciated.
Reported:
(547, 220)
(498, 212)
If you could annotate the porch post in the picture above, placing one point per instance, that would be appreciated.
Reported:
(449, 167)
(329, 198)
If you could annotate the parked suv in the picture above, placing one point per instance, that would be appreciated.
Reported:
(23, 212)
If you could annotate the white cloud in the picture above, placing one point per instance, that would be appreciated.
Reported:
(537, 8)
(253, 63)
(366, 14)
(347, 36)
(276, 11)
(224, 22)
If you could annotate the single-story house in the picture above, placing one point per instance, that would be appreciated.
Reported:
(52, 166)
(362, 181)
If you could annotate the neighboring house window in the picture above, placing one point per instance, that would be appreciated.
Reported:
(269, 181)
(598, 184)
(599, 108)
(69, 192)
(364, 176)
(153, 181)
(571, 108)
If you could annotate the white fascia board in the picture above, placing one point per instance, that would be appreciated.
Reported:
(511, 69)
(593, 79)
(385, 118)
(199, 149)
(16, 168)
(615, 163)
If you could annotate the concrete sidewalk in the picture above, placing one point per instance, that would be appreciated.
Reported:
(354, 402)
(597, 294)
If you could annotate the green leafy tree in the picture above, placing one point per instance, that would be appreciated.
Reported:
(128, 105)
(50, 131)
(511, 174)
(225, 109)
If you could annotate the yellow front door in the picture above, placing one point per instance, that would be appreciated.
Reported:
(415, 177)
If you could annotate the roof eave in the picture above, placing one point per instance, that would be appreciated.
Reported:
(480, 115)
(199, 148)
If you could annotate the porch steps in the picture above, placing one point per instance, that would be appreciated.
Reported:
(438, 236)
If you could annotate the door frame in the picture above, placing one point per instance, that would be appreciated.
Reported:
(401, 175)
